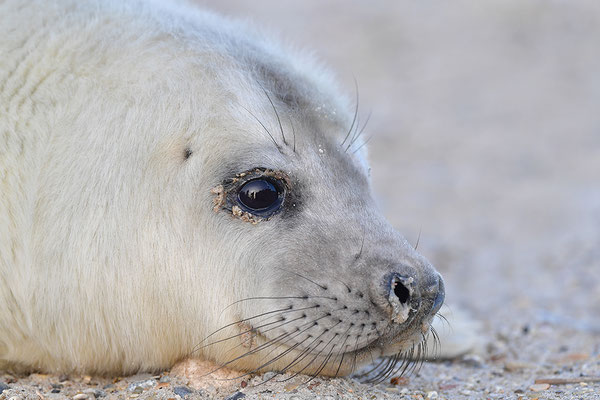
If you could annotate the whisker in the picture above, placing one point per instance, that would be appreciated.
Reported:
(303, 277)
(262, 332)
(315, 357)
(238, 322)
(288, 350)
(264, 127)
(276, 114)
(358, 132)
(281, 311)
(293, 134)
(354, 360)
(343, 353)
(418, 239)
(278, 298)
(363, 144)
(362, 245)
(443, 318)
(321, 367)
(355, 114)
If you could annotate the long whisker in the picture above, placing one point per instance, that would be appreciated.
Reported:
(357, 133)
(313, 359)
(418, 239)
(281, 312)
(303, 277)
(279, 298)
(362, 144)
(355, 115)
(343, 353)
(293, 134)
(264, 127)
(264, 331)
(247, 319)
(276, 114)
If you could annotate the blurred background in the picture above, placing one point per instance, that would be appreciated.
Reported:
(486, 124)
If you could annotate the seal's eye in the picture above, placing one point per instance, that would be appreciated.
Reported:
(260, 196)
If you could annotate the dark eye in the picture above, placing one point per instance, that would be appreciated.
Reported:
(260, 196)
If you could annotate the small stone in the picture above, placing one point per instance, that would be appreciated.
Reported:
(473, 360)
(182, 391)
(165, 379)
(143, 385)
(514, 366)
(236, 396)
(14, 398)
(268, 375)
(55, 390)
(539, 387)
(97, 393)
(432, 395)
(3, 387)
(291, 386)
(63, 378)
(80, 396)
(399, 380)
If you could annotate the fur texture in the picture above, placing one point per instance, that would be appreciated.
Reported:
(116, 120)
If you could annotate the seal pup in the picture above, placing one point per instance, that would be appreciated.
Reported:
(174, 184)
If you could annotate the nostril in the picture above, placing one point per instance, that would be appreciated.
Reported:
(401, 291)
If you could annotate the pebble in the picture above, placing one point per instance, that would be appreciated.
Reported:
(473, 360)
(268, 375)
(432, 395)
(291, 386)
(514, 366)
(3, 387)
(236, 396)
(182, 391)
(136, 386)
(538, 387)
(97, 393)
(81, 396)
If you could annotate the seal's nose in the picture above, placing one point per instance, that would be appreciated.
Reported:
(406, 294)
(439, 297)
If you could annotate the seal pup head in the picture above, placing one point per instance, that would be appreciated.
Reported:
(326, 284)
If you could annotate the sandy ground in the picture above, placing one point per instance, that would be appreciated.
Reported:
(486, 125)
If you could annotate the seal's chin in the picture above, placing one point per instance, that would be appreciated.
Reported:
(257, 352)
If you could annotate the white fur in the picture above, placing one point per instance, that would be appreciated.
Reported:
(111, 259)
